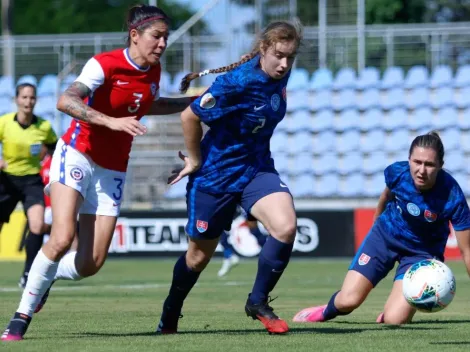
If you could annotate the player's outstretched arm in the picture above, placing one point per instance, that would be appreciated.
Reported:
(168, 106)
(463, 239)
(71, 103)
(385, 197)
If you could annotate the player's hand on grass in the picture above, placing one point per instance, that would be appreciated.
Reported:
(127, 124)
(3, 165)
(190, 166)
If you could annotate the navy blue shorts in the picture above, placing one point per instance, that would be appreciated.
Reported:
(210, 214)
(379, 252)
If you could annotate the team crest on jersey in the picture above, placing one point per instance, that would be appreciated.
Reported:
(363, 259)
(77, 174)
(275, 102)
(430, 216)
(413, 209)
(207, 101)
(153, 88)
(284, 94)
(202, 226)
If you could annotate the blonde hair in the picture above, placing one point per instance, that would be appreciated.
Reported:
(275, 32)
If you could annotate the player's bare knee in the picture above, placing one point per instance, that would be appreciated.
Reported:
(197, 261)
(36, 227)
(58, 246)
(285, 232)
(394, 319)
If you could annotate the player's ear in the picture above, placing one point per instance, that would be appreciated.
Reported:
(133, 35)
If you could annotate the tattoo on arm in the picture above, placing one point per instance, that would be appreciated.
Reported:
(71, 103)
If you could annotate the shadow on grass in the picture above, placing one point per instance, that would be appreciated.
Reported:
(456, 321)
(450, 343)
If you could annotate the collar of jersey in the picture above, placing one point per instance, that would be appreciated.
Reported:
(33, 121)
(132, 63)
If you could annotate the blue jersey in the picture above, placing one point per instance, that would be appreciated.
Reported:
(421, 218)
(242, 108)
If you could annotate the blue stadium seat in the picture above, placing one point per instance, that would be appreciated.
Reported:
(417, 98)
(462, 180)
(462, 77)
(417, 77)
(67, 81)
(464, 120)
(47, 86)
(7, 87)
(393, 78)
(348, 141)
(350, 163)
(165, 83)
(27, 79)
(373, 141)
(175, 86)
(46, 105)
(298, 100)
(326, 163)
(394, 98)
(300, 121)
(443, 97)
(322, 100)
(302, 186)
(454, 161)
(374, 162)
(369, 99)
(451, 139)
(177, 190)
(345, 79)
(368, 78)
(321, 79)
(462, 100)
(298, 80)
(446, 118)
(371, 119)
(302, 164)
(421, 118)
(465, 143)
(281, 162)
(302, 143)
(279, 142)
(346, 99)
(283, 126)
(65, 121)
(324, 142)
(348, 119)
(6, 105)
(397, 140)
(374, 185)
(352, 186)
(326, 186)
(323, 120)
(441, 77)
(396, 119)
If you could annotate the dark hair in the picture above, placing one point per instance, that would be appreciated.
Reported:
(275, 32)
(20, 87)
(430, 140)
(143, 16)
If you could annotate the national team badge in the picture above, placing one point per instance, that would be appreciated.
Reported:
(284, 94)
(207, 101)
(77, 174)
(413, 209)
(363, 259)
(153, 88)
(275, 102)
(202, 226)
(430, 216)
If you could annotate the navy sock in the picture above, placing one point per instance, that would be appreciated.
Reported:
(272, 261)
(228, 251)
(331, 311)
(32, 246)
(183, 281)
(260, 237)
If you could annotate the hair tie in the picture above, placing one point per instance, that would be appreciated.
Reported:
(203, 73)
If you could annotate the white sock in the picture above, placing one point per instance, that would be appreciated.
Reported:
(40, 278)
(67, 269)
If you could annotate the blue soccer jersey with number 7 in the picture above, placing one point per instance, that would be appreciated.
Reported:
(242, 108)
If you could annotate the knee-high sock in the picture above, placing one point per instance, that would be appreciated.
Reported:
(183, 281)
(331, 311)
(67, 269)
(32, 246)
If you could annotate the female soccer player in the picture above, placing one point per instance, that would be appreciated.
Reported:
(114, 90)
(411, 224)
(22, 135)
(233, 165)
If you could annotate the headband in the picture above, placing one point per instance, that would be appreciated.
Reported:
(150, 19)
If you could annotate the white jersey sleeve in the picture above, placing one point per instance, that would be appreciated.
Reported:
(92, 75)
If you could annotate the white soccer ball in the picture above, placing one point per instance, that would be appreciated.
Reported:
(429, 286)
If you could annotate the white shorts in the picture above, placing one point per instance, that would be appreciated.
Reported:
(102, 189)
(48, 216)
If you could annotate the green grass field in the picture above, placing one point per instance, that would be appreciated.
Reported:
(118, 310)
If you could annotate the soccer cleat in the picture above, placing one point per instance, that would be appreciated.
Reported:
(380, 319)
(169, 320)
(264, 313)
(228, 264)
(44, 298)
(16, 328)
(310, 315)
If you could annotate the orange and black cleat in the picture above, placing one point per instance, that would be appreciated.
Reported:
(265, 314)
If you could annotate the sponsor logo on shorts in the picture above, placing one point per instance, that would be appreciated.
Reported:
(202, 226)
(76, 173)
(275, 102)
(413, 209)
(430, 216)
(207, 101)
(363, 259)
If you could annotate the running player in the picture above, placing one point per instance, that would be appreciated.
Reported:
(411, 224)
(233, 165)
(22, 135)
(114, 90)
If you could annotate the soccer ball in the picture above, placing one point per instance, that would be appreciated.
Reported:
(429, 286)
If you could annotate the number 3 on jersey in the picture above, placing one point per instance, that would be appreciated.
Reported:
(262, 121)
(136, 102)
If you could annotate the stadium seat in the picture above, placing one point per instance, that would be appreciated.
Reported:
(7, 87)
(302, 164)
(374, 162)
(417, 77)
(417, 98)
(350, 163)
(178, 190)
(392, 78)
(302, 186)
(326, 163)
(464, 120)
(67, 81)
(348, 141)
(465, 143)
(46, 105)
(454, 161)
(27, 79)
(279, 142)
(321, 79)
(6, 105)
(47, 86)
(345, 99)
(298, 80)
(443, 97)
(441, 77)
(302, 143)
(324, 142)
(368, 78)
(373, 141)
(462, 99)
(298, 100)
(371, 119)
(394, 98)
(165, 83)
(397, 140)
(175, 86)
(348, 119)
(446, 118)
(462, 77)
(451, 139)
(462, 180)
(396, 119)
(283, 126)
(352, 185)
(369, 99)
(326, 185)
(300, 121)
(345, 79)
(421, 118)
(281, 162)
(323, 120)
(322, 100)
(375, 185)
(65, 121)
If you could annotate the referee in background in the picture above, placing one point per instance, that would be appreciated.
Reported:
(23, 136)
